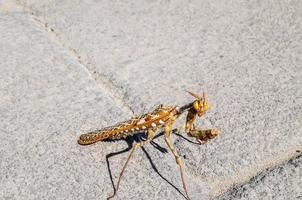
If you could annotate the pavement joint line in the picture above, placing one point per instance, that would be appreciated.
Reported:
(258, 157)
(114, 91)
(245, 176)
(260, 176)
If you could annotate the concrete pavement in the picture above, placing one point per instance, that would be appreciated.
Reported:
(73, 66)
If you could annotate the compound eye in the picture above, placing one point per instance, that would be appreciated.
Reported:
(207, 106)
(196, 105)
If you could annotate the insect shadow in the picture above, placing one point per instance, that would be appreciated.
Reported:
(138, 138)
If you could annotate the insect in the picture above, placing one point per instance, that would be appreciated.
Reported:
(161, 117)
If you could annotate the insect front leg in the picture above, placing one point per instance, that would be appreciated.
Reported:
(190, 121)
(178, 160)
(150, 136)
(203, 136)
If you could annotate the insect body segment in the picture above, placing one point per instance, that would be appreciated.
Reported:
(157, 118)
(161, 117)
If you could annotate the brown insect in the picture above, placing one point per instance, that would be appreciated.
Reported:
(161, 117)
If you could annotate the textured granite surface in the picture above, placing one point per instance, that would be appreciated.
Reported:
(281, 182)
(68, 67)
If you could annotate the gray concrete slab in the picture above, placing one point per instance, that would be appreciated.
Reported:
(282, 182)
(246, 55)
(47, 100)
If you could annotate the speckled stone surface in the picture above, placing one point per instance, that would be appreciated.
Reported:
(73, 66)
(282, 182)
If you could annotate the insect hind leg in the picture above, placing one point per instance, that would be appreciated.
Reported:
(150, 136)
(178, 160)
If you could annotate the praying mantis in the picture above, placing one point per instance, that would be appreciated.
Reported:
(161, 117)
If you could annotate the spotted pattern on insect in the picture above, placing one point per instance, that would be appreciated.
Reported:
(155, 119)
(150, 122)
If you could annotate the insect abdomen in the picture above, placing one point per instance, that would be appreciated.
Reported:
(156, 119)
(95, 136)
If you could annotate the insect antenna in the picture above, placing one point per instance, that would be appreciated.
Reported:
(194, 94)
(197, 96)
(204, 95)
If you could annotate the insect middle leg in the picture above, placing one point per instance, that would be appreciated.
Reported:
(178, 160)
(150, 136)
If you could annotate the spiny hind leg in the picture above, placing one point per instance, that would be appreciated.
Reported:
(150, 136)
(177, 157)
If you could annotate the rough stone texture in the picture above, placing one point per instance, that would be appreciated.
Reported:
(71, 66)
(283, 182)
(47, 100)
